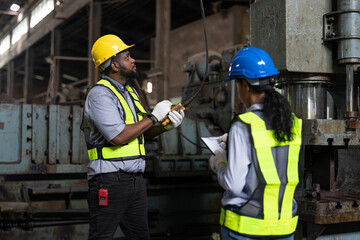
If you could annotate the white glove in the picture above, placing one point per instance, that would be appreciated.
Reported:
(223, 141)
(175, 118)
(161, 109)
(216, 160)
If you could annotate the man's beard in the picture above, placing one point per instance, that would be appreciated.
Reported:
(128, 73)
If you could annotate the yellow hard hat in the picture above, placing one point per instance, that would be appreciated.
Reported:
(106, 47)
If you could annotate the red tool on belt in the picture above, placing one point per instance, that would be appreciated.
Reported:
(103, 197)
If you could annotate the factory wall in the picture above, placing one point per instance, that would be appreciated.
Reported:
(224, 30)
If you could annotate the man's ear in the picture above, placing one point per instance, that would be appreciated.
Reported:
(114, 66)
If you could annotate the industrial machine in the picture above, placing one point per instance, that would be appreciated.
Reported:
(43, 171)
(316, 47)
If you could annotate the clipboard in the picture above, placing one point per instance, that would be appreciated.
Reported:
(212, 143)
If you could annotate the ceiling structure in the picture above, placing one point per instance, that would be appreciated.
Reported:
(133, 20)
(6, 15)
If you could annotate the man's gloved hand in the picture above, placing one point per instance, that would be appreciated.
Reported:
(175, 118)
(223, 140)
(161, 109)
(216, 160)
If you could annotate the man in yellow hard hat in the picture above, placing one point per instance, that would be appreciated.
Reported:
(116, 126)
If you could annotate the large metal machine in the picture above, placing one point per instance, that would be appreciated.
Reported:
(315, 45)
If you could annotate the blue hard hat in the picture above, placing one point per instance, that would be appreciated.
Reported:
(251, 63)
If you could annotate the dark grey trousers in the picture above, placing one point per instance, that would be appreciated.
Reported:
(127, 206)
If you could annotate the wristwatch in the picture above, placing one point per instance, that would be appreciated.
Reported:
(152, 118)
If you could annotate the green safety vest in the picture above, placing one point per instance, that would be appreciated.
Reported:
(271, 224)
(132, 149)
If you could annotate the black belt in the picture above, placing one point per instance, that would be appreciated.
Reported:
(120, 171)
(132, 173)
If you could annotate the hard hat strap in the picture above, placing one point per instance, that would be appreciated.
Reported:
(105, 65)
(267, 81)
(261, 81)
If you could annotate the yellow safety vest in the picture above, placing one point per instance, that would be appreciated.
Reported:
(130, 150)
(271, 224)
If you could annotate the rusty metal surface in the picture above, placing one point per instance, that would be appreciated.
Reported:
(73, 232)
(42, 139)
(291, 32)
(348, 177)
(331, 132)
(331, 207)
(58, 190)
(14, 206)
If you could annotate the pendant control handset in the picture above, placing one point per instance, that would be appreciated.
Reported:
(166, 121)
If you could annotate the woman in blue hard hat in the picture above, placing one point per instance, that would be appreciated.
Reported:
(264, 148)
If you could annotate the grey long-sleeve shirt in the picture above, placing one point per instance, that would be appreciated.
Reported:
(104, 113)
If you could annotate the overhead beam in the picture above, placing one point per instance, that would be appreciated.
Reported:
(43, 28)
(9, 13)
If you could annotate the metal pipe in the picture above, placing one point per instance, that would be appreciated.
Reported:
(349, 91)
(58, 223)
(358, 97)
(349, 31)
(306, 94)
(308, 101)
(69, 58)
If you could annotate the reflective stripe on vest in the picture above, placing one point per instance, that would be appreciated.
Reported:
(271, 224)
(132, 149)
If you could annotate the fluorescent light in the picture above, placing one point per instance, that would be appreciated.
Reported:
(20, 30)
(41, 11)
(5, 44)
(14, 7)
(149, 87)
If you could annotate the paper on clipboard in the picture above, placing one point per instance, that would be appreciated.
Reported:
(212, 143)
